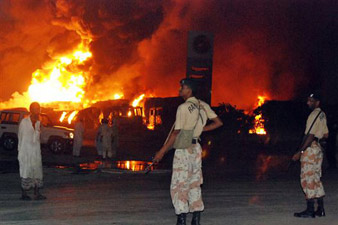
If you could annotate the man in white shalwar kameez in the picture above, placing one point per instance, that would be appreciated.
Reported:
(78, 137)
(29, 154)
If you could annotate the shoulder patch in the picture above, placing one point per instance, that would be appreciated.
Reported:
(322, 116)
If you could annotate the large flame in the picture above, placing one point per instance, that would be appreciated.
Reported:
(259, 127)
(61, 80)
(137, 100)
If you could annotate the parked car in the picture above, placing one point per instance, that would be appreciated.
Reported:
(58, 139)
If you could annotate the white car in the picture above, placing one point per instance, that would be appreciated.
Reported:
(58, 139)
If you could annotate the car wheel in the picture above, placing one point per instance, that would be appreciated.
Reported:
(9, 143)
(56, 145)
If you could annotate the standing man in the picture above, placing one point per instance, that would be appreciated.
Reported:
(185, 188)
(311, 158)
(78, 137)
(105, 133)
(29, 154)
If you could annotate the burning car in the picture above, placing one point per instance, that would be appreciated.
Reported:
(58, 139)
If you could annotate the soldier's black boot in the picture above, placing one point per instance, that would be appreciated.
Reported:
(310, 210)
(181, 219)
(196, 217)
(320, 210)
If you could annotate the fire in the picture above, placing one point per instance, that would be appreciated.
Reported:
(150, 126)
(129, 113)
(137, 100)
(259, 120)
(61, 80)
(133, 165)
(118, 96)
(261, 100)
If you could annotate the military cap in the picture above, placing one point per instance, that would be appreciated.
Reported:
(190, 83)
(315, 95)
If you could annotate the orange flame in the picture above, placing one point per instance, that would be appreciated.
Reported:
(137, 100)
(118, 96)
(133, 165)
(259, 127)
(61, 80)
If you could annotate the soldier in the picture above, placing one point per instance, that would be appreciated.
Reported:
(185, 188)
(311, 158)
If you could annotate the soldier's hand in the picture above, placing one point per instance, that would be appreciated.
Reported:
(158, 157)
(296, 156)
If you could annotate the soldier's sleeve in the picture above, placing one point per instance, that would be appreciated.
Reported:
(210, 113)
(180, 118)
(319, 127)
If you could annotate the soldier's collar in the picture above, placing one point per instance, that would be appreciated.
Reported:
(193, 99)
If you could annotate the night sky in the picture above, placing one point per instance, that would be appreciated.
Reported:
(281, 48)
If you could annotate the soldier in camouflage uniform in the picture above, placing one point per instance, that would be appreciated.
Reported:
(311, 158)
(185, 188)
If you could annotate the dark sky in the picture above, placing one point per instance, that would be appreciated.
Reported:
(281, 48)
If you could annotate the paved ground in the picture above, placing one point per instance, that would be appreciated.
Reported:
(112, 197)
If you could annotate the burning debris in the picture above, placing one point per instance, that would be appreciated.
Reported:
(80, 52)
(259, 127)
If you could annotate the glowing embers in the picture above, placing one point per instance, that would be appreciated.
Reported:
(62, 79)
(133, 165)
(258, 126)
(155, 117)
(259, 121)
(91, 166)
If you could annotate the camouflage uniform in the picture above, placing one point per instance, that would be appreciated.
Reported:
(185, 188)
(312, 158)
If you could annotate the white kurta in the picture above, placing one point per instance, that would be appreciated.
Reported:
(29, 150)
(78, 138)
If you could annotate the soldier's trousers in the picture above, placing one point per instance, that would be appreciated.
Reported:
(186, 180)
(311, 172)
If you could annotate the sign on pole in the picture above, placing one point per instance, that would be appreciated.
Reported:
(199, 62)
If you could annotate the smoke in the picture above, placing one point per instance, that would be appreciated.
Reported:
(261, 47)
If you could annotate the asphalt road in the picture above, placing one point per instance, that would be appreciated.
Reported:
(129, 198)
